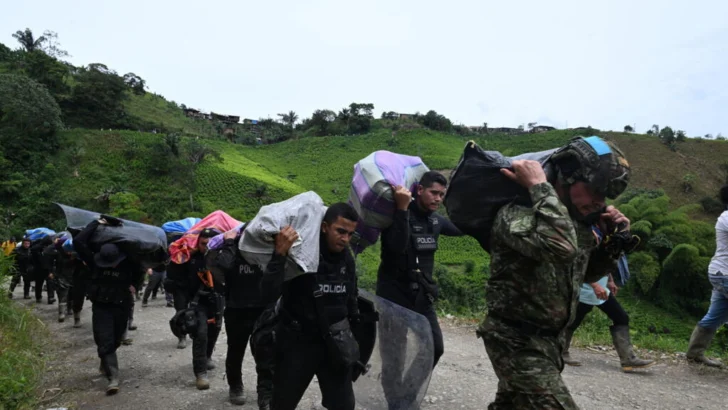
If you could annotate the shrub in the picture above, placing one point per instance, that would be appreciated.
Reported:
(645, 270)
(711, 205)
(683, 281)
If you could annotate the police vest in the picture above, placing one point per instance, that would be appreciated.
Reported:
(243, 285)
(423, 243)
(333, 283)
(110, 285)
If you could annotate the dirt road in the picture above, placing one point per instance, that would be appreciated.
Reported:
(156, 375)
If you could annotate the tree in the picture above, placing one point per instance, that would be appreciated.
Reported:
(172, 141)
(197, 153)
(28, 41)
(47, 71)
(136, 83)
(655, 129)
(667, 135)
(320, 121)
(289, 119)
(531, 125)
(27, 107)
(680, 136)
(97, 99)
(437, 122)
(51, 46)
(708, 136)
(628, 128)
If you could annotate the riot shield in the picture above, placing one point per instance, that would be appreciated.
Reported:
(148, 244)
(399, 370)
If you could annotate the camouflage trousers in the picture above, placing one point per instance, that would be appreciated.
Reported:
(528, 369)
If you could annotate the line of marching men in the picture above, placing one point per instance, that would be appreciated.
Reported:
(309, 317)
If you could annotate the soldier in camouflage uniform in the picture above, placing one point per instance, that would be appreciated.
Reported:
(540, 256)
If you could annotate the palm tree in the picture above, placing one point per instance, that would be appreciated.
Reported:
(628, 128)
(26, 39)
(655, 129)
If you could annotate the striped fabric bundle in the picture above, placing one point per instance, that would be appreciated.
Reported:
(371, 192)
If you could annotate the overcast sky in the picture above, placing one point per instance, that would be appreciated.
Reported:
(559, 62)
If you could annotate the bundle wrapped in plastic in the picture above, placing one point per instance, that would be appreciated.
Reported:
(181, 226)
(38, 233)
(68, 246)
(371, 192)
(478, 189)
(179, 250)
(145, 243)
(304, 212)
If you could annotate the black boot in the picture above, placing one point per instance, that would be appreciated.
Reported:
(112, 367)
(565, 354)
(237, 394)
(132, 326)
(77, 319)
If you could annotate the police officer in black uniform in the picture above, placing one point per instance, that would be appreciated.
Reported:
(24, 268)
(207, 299)
(112, 273)
(314, 337)
(178, 283)
(44, 257)
(65, 266)
(244, 303)
(405, 272)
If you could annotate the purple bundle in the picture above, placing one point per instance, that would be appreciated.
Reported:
(371, 192)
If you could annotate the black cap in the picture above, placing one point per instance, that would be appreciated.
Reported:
(109, 256)
(209, 233)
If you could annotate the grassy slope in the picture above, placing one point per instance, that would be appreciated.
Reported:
(325, 165)
(154, 109)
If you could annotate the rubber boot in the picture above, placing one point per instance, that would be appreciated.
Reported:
(125, 339)
(76, 319)
(210, 364)
(264, 399)
(699, 342)
(202, 382)
(237, 395)
(112, 366)
(565, 354)
(623, 345)
(132, 326)
(12, 289)
(61, 314)
(182, 343)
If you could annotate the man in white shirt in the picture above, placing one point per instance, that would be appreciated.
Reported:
(718, 274)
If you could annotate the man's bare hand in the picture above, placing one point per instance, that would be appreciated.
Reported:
(230, 234)
(285, 239)
(526, 173)
(612, 217)
(402, 197)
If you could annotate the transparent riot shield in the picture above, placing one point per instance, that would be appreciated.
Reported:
(399, 370)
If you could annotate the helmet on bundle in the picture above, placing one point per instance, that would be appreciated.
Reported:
(598, 163)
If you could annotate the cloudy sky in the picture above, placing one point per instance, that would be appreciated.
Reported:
(559, 62)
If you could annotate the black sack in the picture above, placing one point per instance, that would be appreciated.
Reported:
(477, 189)
(144, 243)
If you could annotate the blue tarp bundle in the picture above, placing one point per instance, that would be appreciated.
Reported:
(38, 233)
(181, 226)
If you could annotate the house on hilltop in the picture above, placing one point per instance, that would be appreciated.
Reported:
(541, 128)
(197, 114)
(505, 130)
(228, 119)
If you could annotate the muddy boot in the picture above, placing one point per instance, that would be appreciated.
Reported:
(264, 399)
(112, 365)
(182, 343)
(61, 314)
(699, 342)
(623, 345)
(125, 339)
(237, 395)
(202, 382)
(76, 319)
(132, 326)
(210, 364)
(145, 303)
(565, 354)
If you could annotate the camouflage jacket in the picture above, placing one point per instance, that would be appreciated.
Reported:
(539, 259)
